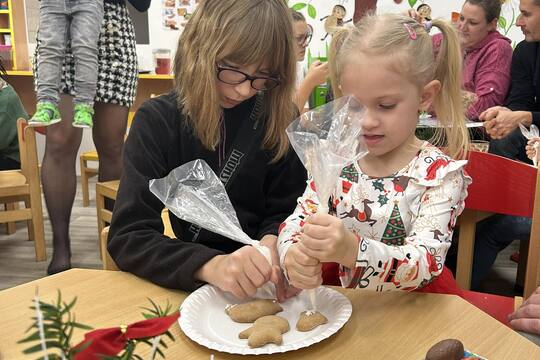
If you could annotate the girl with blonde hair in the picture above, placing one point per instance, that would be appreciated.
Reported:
(234, 84)
(392, 212)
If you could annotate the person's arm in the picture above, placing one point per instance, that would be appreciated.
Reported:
(11, 109)
(492, 80)
(140, 5)
(522, 90)
(527, 317)
(421, 258)
(8, 130)
(136, 240)
(291, 229)
(316, 75)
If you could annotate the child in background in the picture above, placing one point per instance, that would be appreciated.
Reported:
(11, 109)
(318, 71)
(394, 211)
(60, 22)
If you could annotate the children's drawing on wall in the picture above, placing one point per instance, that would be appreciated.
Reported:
(333, 21)
(424, 12)
(175, 13)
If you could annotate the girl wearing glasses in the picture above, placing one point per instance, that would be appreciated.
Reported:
(318, 71)
(234, 81)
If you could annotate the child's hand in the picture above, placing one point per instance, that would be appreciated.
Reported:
(304, 272)
(283, 291)
(532, 146)
(326, 239)
(317, 73)
(241, 272)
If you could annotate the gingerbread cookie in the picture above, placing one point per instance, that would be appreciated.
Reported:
(265, 330)
(309, 320)
(251, 311)
(449, 349)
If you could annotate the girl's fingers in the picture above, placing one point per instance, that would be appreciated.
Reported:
(307, 242)
(245, 283)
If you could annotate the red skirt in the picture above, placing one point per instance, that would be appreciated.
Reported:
(496, 306)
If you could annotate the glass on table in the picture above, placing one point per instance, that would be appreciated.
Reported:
(479, 145)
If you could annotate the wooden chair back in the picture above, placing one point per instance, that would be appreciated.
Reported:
(500, 186)
(25, 185)
(107, 260)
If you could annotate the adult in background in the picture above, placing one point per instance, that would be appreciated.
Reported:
(497, 232)
(523, 103)
(487, 56)
(116, 87)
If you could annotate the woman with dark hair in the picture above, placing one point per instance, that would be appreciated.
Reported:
(11, 109)
(487, 56)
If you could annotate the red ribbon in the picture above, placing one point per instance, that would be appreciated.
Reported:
(113, 340)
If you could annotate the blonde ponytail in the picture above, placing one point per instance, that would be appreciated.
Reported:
(448, 103)
(335, 46)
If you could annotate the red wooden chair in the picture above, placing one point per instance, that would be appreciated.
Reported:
(500, 186)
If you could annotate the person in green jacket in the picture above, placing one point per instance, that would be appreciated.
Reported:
(11, 109)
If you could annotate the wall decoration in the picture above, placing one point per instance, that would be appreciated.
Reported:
(175, 13)
(424, 12)
(335, 20)
(311, 11)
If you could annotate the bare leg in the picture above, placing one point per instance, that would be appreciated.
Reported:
(109, 129)
(59, 182)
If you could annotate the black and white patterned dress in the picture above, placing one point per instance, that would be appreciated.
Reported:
(117, 59)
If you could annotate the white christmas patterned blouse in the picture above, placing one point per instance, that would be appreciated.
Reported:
(404, 222)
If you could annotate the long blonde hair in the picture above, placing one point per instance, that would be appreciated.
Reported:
(387, 36)
(244, 32)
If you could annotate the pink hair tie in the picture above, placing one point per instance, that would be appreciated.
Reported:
(412, 33)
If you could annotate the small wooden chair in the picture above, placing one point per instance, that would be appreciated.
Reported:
(88, 171)
(24, 185)
(500, 186)
(107, 260)
(105, 190)
(11, 227)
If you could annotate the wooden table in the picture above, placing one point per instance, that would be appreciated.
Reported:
(383, 325)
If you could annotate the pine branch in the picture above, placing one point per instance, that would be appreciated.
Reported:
(58, 326)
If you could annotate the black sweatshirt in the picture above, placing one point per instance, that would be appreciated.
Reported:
(525, 74)
(160, 140)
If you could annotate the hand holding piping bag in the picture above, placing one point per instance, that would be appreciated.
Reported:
(326, 140)
(531, 134)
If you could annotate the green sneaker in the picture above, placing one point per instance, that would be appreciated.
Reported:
(82, 117)
(46, 114)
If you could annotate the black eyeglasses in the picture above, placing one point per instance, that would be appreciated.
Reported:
(304, 40)
(235, 77)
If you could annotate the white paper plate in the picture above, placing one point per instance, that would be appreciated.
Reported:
(203, 320)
